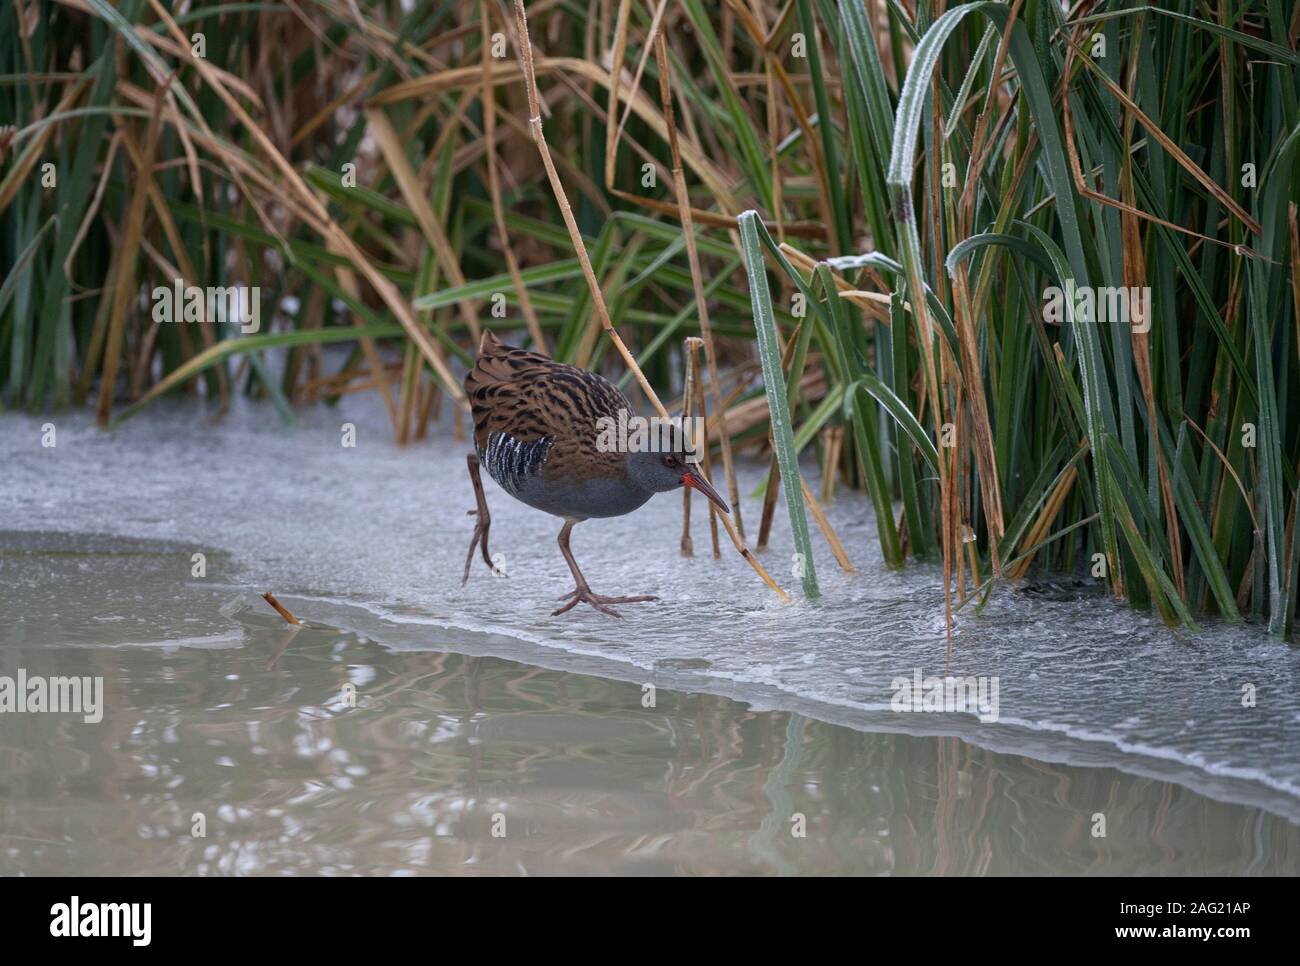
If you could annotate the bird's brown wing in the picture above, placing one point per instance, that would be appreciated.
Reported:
(530, 398)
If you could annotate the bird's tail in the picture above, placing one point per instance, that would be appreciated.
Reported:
(496, 364)
(499, 363)
(489, 344)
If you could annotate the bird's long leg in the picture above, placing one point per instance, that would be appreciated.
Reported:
(482, 519)
(582, 594)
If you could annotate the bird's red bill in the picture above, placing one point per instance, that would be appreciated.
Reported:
(696, 482)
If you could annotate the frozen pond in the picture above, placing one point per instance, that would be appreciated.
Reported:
(474, 702)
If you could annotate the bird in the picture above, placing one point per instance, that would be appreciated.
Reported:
(537, 431)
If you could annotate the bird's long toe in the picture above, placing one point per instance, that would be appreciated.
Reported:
(477, 542)
(601, 602)
(577, 599)
(640, 598)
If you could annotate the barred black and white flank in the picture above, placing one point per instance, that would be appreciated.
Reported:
(512, 461)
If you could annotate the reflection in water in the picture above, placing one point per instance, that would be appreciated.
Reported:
(321, 752)
(579, 776)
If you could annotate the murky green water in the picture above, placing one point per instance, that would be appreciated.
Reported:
(323, 752)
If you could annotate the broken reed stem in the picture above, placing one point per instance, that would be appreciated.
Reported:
(280, 609)
(494, 188)
(597, 298)
(697, 279)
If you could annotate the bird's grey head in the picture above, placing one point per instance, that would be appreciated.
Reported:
(661, 472)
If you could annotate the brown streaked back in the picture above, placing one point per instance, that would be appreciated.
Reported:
(529, 397)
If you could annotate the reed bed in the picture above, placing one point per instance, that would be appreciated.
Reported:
(904, 234)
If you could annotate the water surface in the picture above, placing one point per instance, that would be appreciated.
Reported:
(320, 751)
